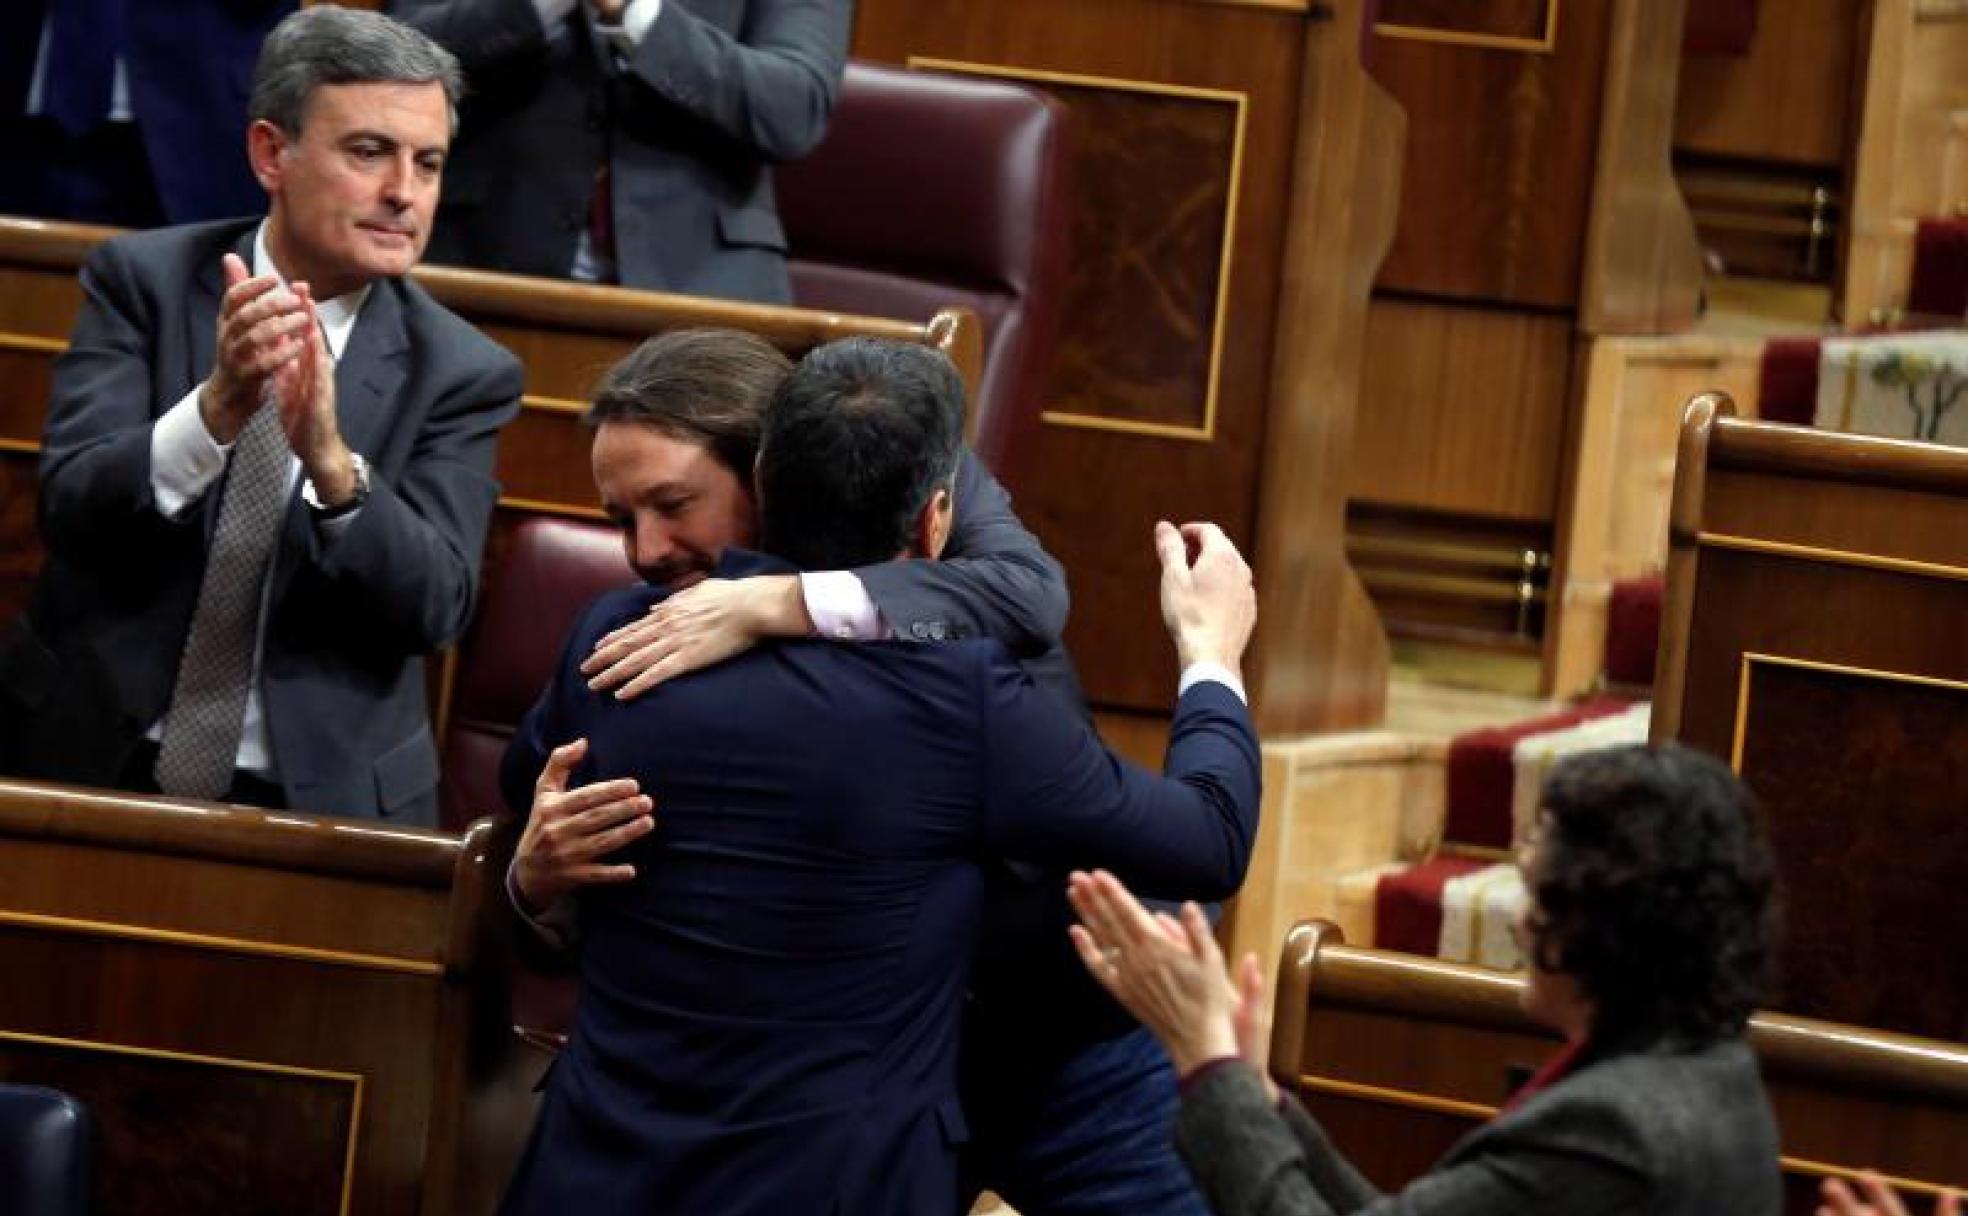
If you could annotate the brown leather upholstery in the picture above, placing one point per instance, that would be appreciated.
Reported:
(533, 592)
(933, 190)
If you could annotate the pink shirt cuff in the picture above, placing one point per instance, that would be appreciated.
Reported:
(841, 608)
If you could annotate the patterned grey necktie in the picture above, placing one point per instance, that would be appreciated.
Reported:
(208, 703)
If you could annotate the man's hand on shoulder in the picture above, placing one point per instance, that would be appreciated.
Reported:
(569, 831)
(1208, 601)
(699, 626)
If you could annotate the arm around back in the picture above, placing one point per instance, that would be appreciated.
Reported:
(993, 580)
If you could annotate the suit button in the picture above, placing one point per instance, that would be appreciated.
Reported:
(920, 629)
(937, 630)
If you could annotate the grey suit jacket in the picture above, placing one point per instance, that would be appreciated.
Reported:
(420, 393)
(1658, 1133)
(716, 90)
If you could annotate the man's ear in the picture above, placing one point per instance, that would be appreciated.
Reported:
(264, 144)
(933, 524)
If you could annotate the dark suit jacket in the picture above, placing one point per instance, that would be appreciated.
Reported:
(1650, 1133)
(716, 90)
(768, 1016)
(189, 64)
(421, 395)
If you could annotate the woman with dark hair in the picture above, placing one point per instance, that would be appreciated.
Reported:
(1646, 934)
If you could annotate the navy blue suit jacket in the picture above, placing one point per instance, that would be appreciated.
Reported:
(768, 1016)
(189, 64)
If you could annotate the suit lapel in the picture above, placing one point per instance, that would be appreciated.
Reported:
(372, 369)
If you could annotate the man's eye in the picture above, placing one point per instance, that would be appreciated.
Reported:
(674, 506)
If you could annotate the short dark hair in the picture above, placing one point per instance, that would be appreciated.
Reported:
(328, 44)
(857, 441)
(1654, 891)
(709, 387)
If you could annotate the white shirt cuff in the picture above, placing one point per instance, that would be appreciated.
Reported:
(555, 926)
(553, 12)
(840, 607)
(184, 458)
(637, 17)
(1196, 673)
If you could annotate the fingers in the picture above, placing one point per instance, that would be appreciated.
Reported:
(1169, 547)
(1250, 981)
(1838, 1199)
(235, 270)
(1113, 915)
(1202, 935)
(560, 766)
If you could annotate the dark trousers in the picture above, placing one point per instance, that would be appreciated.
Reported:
(103, 177)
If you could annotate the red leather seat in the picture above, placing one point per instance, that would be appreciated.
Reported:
(534, 589)
(935, 190)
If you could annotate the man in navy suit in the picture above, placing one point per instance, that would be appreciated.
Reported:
(769, 1008)
(128, 112)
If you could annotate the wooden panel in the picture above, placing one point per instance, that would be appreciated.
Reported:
(1093, 495)
(1788, 99)
(191, 1134)
(1798, 555)
(1501, 145)
(1620, 480)
(1506, 22)
(1463, 410)
(1156, 178)
(1884, 804)
(278, 1060)
(1913, 148)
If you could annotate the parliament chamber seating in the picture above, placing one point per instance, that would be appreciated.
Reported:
(46, 1155)
(1812, 636)
(932, 190)
(547, 571)
(1399, 1057)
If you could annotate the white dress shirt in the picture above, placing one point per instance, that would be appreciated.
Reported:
(185, 462)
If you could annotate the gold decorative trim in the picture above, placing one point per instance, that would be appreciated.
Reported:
(233, 945)
(540, 506)
(354, 1080)
(26, 447)
(1405, 1099)
(1240, 102)
(553, 405)
(1475, 852)
(1543, 44)
(1837, 557)
(1750, 658)
(32, 343)
(1825, 1169)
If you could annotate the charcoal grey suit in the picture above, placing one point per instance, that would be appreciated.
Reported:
(1655, 1133)
(419, 393)
(715, 91)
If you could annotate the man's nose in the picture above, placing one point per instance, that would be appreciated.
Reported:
(653, 544)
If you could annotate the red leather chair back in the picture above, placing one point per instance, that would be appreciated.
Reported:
(935, 190)
(534, 591)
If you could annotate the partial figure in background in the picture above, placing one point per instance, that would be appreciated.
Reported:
(1647, 936)
(128, 112)
(628, 141)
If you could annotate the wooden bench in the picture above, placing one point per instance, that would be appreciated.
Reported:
(1400, 1056)
(263, 1012)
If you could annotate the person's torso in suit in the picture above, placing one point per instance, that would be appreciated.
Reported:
(769, 1011)
(420, 394)
(192, 122)
(716, 91)
(1652, 1132)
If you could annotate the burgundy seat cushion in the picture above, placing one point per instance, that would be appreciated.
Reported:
(535, 588)
(936, 190)
(1940, 268)
(1633, 624)
(1789, 381)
